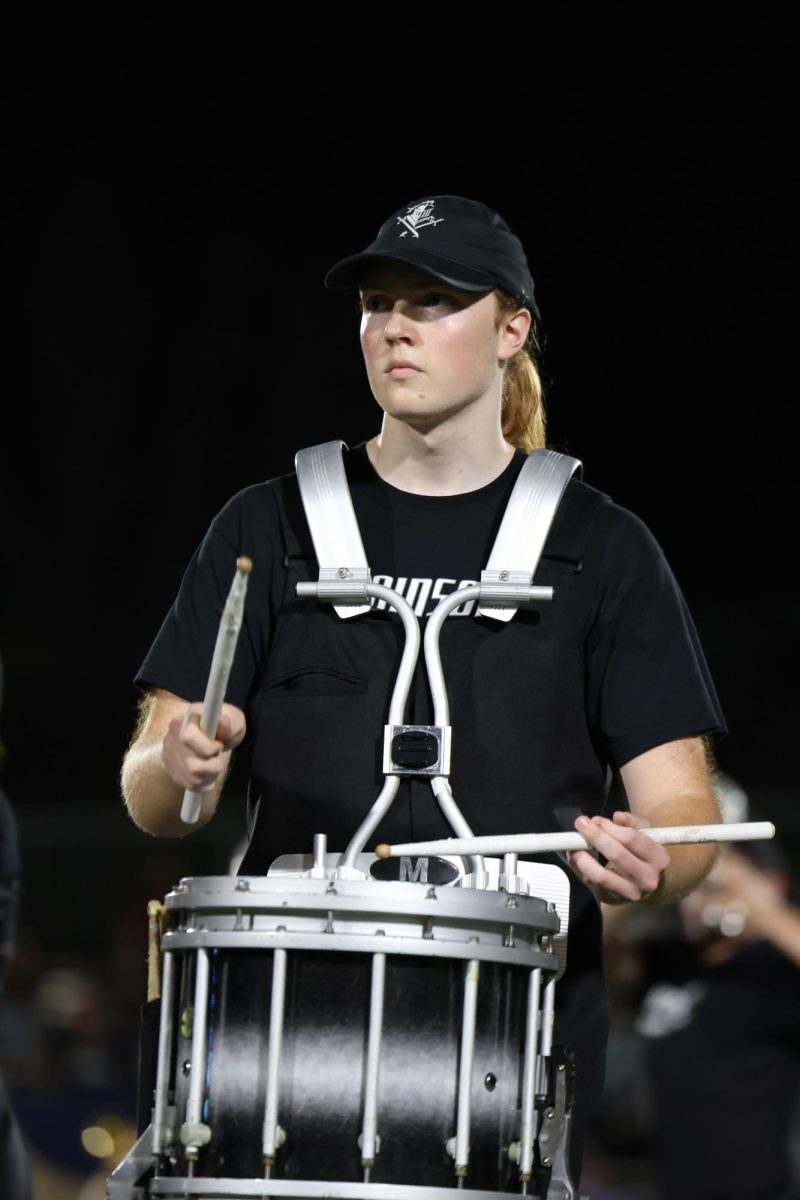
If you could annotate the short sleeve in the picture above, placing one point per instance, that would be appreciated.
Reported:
(647, 680)
(179, 659)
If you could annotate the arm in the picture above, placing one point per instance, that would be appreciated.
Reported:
(170, 753)
(763, 894)
(671, 784)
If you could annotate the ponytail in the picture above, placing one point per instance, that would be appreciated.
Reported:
(523, 416)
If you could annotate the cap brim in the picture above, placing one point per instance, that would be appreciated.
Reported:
(350, 271)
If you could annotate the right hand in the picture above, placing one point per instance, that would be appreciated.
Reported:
(192, 758)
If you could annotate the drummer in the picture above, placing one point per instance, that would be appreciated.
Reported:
(607, 678)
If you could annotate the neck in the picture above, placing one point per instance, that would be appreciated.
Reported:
(437, 462)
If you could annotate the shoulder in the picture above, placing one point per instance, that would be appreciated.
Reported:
(256, 498)
(615, 550)
(575, 524)
(614, 534)
(274, 508)
(257, 507)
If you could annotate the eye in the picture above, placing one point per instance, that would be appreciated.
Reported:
(441, 300)
(373, 302)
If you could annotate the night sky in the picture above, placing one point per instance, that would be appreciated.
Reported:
(164, 240)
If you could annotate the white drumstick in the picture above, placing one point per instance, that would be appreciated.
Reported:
(224, 649)
(547, 843)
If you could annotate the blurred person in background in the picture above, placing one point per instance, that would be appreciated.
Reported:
(720, 1025)
(702, 1089)
(15, 1183)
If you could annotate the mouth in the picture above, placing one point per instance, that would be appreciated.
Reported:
(402, 370)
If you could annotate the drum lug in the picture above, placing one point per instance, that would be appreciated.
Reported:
(509, 881)
(194, 1134)
(479, 881)
(345, 872)
(167, 1129)
(377, 1145)
(280, 1140)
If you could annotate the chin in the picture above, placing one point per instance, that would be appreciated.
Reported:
(409, 410)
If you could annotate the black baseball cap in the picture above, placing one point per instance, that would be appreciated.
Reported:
(459, 241)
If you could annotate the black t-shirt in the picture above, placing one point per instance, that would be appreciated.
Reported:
(646, 679)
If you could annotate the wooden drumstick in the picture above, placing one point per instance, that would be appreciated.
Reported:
(547, 843)
(155, 915)
(221, 663)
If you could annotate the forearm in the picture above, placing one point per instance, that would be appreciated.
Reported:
(779, 924)
(153, 798)
(689, 865)
(673, 784)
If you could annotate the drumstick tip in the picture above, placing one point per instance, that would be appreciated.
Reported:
(244, 564)
(383, 851)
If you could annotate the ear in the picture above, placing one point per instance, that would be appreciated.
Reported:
(512, 333)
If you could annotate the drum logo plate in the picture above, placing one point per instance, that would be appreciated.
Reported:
(415, 870)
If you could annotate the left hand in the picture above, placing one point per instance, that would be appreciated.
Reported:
(634, 863)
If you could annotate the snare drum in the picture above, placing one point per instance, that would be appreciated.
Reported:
(350, 1038)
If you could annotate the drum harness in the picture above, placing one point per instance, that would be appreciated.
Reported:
(345, 582)
(424, 750)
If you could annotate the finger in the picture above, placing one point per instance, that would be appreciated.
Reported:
(198, 774)
(232, 726)
(628, 851)
(608, 835)
(202, 775)
(193, 738)
(624, 817)
(607, 885)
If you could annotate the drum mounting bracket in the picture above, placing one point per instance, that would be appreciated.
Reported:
(416, 750)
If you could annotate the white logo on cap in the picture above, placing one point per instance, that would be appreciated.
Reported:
(418, 217)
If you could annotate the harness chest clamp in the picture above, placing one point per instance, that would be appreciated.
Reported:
(416, 749)
(345, 586)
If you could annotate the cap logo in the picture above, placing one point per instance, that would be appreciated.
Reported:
(418, 217)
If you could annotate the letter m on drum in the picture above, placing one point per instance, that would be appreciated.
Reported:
(410, 873)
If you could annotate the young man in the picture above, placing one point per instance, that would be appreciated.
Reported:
(608, 676)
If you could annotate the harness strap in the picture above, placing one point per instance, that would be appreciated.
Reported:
(332, 520)
(514, 557)
(529, 514)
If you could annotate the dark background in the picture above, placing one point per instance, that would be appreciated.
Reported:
(164, 236)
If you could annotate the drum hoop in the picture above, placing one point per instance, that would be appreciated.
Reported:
(519, 956)
(232, 1189)
(369, 899)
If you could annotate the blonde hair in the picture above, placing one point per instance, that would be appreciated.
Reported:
(523, 416)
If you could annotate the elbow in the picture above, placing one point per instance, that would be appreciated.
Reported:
(149, 822)
(149, 809)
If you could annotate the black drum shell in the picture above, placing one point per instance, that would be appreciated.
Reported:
(323, 1051)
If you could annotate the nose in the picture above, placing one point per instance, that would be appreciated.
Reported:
(399, 325)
